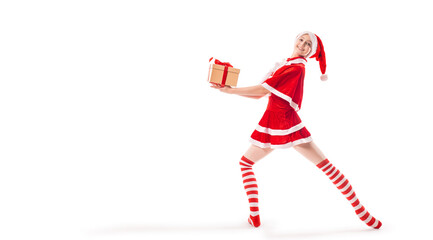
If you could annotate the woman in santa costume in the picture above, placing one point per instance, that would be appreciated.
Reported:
(281, 127)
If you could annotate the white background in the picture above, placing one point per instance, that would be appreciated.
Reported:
(109, 130)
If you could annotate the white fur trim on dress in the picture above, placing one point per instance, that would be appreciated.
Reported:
(287, 145)
(284, 62)
(297, 60)
(280, 132)
(275, 68)
(282, 95)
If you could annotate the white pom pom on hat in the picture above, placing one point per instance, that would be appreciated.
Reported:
(317, 51)
(324, 77)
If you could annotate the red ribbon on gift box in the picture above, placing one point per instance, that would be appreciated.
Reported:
(226, 67)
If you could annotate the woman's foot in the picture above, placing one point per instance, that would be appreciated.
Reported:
(254, 221)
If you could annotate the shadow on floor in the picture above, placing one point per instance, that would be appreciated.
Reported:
(266, 231)
(317, 233)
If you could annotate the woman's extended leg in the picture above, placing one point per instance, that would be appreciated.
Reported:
(313, 153)
(247, 161)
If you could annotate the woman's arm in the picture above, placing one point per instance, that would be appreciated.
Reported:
(256, 92)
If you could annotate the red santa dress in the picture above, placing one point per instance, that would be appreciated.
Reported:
(280, 126)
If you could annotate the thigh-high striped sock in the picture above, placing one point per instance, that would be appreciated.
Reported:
(250, 185)
(346, 189)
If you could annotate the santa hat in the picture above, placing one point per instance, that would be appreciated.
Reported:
(317, 51)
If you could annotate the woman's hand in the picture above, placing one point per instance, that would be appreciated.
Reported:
(225, 89)
(255, 92)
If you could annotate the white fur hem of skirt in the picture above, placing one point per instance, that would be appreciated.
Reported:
(287, 145)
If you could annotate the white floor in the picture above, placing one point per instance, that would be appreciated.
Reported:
(203, 198)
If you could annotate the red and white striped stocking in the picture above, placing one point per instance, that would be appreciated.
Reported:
(346, 189)
(250, 185)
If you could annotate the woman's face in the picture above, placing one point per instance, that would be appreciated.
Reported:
(303, 45)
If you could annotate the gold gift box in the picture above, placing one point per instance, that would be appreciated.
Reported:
(216, 73)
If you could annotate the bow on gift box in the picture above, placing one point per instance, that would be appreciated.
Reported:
(226, 66)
